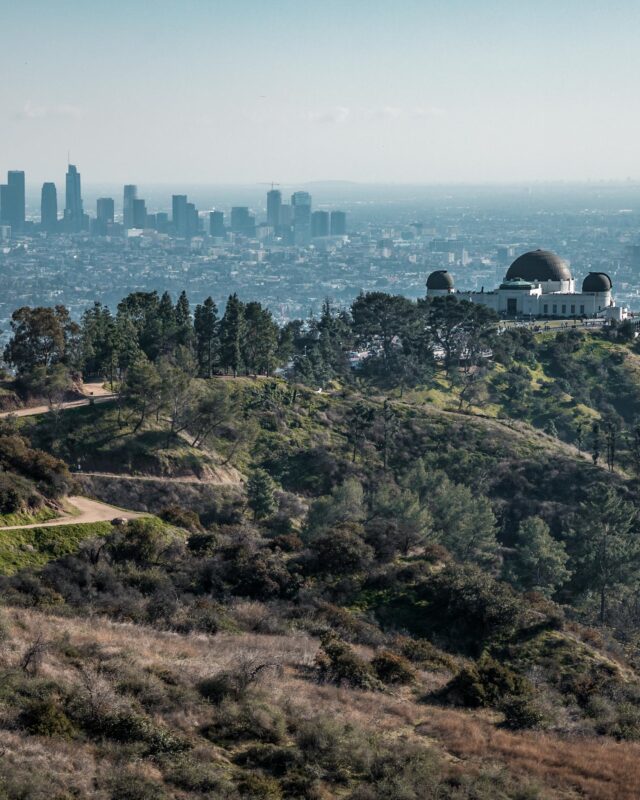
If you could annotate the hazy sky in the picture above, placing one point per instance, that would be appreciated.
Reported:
(199, 91)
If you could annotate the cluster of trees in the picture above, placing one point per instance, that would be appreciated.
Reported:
(400, 339)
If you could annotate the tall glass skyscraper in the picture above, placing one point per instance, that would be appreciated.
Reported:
(12, 205)
(49, 208)
(73, 213)
(274, 201)
(301, 206)
(130, 195)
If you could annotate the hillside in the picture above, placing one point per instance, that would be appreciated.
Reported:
(404, 583)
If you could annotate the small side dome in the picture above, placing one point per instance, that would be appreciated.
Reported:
(597, 282)
(441, 280)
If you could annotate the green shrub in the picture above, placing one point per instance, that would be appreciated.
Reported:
(235, 683)
(278, 760)
(521, 711)
(260, 787)
(135, 787)
(424, 653)
(486, 683)
(247, 721)
(338, 663)
(197, 777)
(392, 668)
(47, 718)
(202, 544)
(181, 518)
(129, 727)
(332, 749)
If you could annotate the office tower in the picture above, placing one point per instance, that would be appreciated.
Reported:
(193, 220)
(4, 204)
(320, 223)
(15, 182)
(139, 213)
(338, 223)
(152, 222)
(274, 202)
(73, 213)
(12, 205)
(162, 222)
(242, 221)
(286, 215)
(130, 194)
(49, 208)
(179, 214)
(105, 210)
(216, 224)
(301, 205)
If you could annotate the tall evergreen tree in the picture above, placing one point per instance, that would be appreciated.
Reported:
(205, 325)
(184, 329)
(608, 546)
(232, 334)
(538, 561)
(261, 494)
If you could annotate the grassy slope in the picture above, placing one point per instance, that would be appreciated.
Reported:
(35, 546)
(159, 671)
(26, 518)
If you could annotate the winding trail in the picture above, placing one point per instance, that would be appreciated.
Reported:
(94, 393)
(90, 511)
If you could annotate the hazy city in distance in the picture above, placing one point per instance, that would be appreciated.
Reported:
(291, 247)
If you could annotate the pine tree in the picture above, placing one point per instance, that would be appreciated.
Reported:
(261, 494)
(205, 325)
(608, 546)
(232, 335)
(539, 561)
(184, 330)
(167, 322)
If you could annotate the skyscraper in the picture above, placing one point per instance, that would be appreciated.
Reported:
(139, 213)
(12, 205)
(49, 208)
(105, 210)
(193, 220)
(274, 202)
(301, 205)
(242, 221)
(179, 214)
(320, 223)
(216, 224)
(130, 194)
(73, 213)
(104, 216)
(286, 215)
(162, 222)
(338, 223)
(4, 204)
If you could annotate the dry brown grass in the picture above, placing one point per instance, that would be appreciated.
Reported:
(600, 769)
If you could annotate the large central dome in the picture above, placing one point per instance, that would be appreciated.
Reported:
(539, 266)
